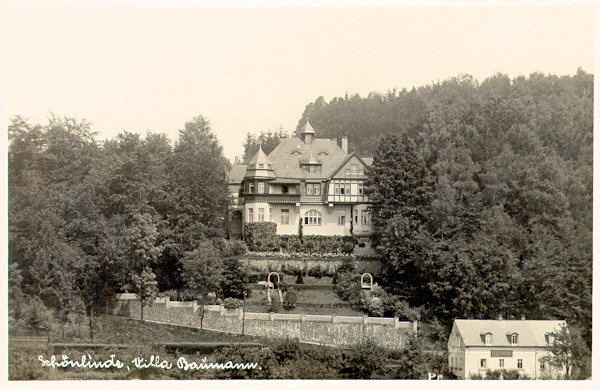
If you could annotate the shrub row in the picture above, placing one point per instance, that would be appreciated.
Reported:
(261, 237)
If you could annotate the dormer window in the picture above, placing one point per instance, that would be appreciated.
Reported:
(261, 165)
(513, 338)
(486, 337)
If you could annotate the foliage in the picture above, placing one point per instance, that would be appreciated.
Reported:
(232, 303)
(481, 193)
(289, 299)
(568, 352)
(257, 233)
(267, 140)
(202, 270)
(35, 315)
(146, 289)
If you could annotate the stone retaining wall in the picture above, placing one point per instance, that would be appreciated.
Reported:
(332, 330)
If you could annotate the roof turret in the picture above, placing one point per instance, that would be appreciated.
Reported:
(260, 166)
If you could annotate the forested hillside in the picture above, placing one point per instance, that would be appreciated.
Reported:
(482, 193)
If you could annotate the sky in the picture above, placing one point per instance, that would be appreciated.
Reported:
(255, 69)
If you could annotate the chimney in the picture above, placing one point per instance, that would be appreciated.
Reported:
(345, 143)
(500, 317)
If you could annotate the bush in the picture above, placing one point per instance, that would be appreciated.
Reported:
(283, 245)
(289, 299)
(232, 303)
(348, 287)
(348, 247)
(36, 316)
(299, 279)
(310, 246)
(256, 234)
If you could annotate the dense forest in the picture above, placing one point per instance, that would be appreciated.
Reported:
(88, 219)
(482, 202)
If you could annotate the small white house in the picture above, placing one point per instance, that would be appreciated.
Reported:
(475, 346)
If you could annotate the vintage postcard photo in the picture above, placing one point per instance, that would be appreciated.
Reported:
(321, 190)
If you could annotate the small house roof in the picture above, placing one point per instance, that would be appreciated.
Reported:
(236, 173)
(531, 332)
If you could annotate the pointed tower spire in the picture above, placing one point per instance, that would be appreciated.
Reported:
(260, 166)
(308, 133)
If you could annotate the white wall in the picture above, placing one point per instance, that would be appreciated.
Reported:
(530, 356)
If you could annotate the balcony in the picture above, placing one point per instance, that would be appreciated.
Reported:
(272, 198)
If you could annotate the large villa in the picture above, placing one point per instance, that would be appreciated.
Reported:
(309, 181)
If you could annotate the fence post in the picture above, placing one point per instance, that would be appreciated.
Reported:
(271, 316)
(302, 319)
(167, 300)
(415, 326)
(334, 319)
(396, 322)
(221, 309)
(194, 306)
(365, 319)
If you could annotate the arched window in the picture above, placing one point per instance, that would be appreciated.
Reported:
(312, 217)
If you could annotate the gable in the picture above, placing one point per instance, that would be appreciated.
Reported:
(353, 167)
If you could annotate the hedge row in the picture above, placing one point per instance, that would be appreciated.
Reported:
(262, 237)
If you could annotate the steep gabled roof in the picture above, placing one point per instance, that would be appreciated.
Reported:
(345, 161)
(531, 332)
(288, 155)
(236, 174)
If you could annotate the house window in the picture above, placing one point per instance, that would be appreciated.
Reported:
(542, 365)
(270, 215)
(483, 363)
(487, 338)
(354, 169)
(514, 338)
(365, 217)
(360, 188)
(519, 363)
(261, 215)
(501, 363)
(312, 217)
(347, 189)
(342, 189)
(284, 189)
(313, 189)
(250, 215)
(261, 188)
(336, 189)
(285, 216)
(250, 188)
(356, 218)
(261, 165)
(549, 338)
(341, 217)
